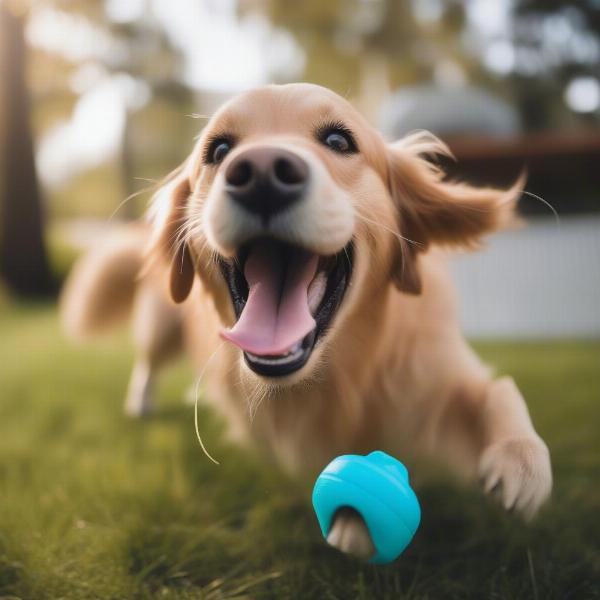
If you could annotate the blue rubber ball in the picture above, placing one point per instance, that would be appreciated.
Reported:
(377, 487)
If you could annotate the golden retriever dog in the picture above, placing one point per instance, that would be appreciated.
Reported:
(306, 262)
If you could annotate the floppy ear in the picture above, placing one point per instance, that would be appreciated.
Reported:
(432, 210)
(167, 215)
(182, 275)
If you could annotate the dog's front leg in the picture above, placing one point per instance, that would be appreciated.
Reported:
(514, 462)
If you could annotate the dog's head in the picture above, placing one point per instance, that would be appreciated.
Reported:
(294, 213)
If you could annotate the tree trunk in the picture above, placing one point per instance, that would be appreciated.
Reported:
(23, 259)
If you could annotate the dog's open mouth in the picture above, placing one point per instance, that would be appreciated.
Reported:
(284, 299)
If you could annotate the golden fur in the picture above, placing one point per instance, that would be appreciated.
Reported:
(393, 372)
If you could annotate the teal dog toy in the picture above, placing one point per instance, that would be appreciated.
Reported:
(377, 487)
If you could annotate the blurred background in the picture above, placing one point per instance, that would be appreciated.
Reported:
(99, 99)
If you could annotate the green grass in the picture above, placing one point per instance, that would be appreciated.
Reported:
(96, 506)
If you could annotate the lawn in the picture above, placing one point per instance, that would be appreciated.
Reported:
(93, 505)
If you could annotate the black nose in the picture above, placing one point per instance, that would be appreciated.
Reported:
(266, 180)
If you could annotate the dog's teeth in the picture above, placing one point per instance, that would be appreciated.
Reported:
(293, 354)
(316, 291)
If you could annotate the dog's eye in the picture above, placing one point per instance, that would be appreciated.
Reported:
(338, 138)
(218, 150)
(338, 142)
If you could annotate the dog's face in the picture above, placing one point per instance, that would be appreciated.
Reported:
(296, 215)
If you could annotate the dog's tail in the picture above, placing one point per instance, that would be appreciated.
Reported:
(101, 287)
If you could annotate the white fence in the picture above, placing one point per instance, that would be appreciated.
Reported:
(540, 281)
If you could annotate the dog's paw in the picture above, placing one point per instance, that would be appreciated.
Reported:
(349, 534)
(518, 471)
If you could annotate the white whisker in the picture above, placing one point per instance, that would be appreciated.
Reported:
(536, 197)
(394, 233)
(126, 200)
(197, 397)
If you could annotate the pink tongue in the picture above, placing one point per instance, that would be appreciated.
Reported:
(276, 315)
